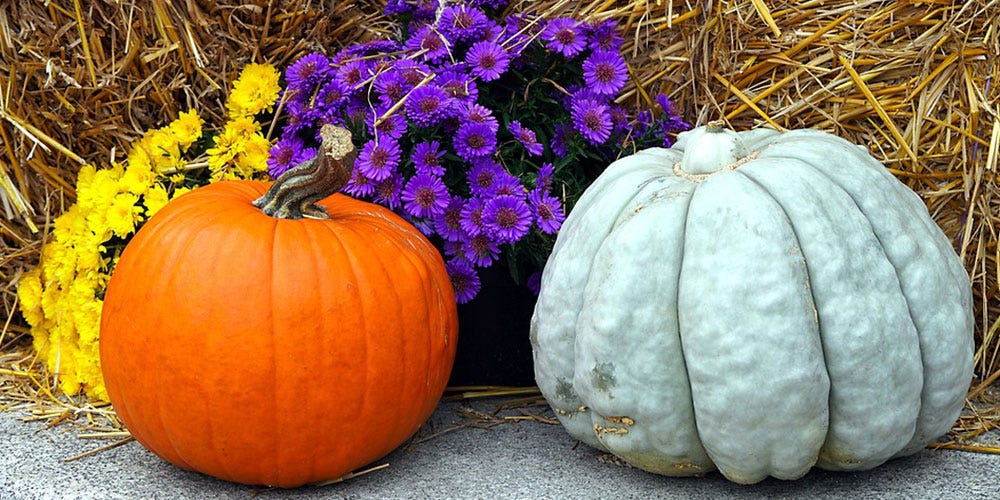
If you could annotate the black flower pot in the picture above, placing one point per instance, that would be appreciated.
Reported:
(493, 344)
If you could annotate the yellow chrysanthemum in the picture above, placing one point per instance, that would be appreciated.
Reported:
(98, 191)
(123, 214)
(155, 199)
(137, 178)
(186, 128)
(255, 91)
(179, 191)
(29, 294)
(164, 150)
(229, 145)
(253, 157)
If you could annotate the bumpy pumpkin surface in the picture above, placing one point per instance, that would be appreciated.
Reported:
(757, 302)
(273, 351)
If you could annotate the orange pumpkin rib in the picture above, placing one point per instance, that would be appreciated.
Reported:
(387, 393)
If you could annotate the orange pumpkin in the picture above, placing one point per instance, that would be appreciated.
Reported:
(276, 351)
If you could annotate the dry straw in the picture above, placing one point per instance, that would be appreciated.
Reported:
(916, 82)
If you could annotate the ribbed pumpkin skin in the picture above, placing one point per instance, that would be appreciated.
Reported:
(276, 352)
(800, 308)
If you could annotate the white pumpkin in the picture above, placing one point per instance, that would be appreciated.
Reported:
(759, 302)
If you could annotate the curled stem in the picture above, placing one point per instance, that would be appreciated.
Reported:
(295, 193)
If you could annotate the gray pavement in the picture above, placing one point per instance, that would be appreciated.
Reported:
(522, 459)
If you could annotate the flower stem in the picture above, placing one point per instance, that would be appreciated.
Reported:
(295, 193)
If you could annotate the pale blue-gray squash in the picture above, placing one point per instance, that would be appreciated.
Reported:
(757, 302)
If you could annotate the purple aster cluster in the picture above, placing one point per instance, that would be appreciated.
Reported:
(480, 130)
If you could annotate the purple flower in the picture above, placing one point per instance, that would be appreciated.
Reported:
(307, 71)
(526, 137)
(483, 177)
(378, 159)
(427, 158)
(462, 23)
(544, 180)
(481, 250)
(619, 118)
(287, 153)
(507, 218)
(464, 280)
(488, 60)
(472, 217)
(387, 191)
(669, 123)
(391, 87)
(358, 185)
(534, 282)
(475, 140)
(507, 185)
(426, 10)
(448, 223)
(664, 101)
(643, 119)
(459, 86)
(412, 72)
(364, 49)
(518, 35)
(604, 36)
(560, 140)
(455, 248)
(493, 4)
(394, 7)
(393, 126)
(547, 211)
(352, 73)
(427, 39)
(330, 100)
(477, 113)
(592, 119)
(565, 36)
(428, 105)
(425, 195)
(605, 72)
(425, 226)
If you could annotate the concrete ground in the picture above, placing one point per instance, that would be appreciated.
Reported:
(512, 459)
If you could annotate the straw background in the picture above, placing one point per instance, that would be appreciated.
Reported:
(914, 81)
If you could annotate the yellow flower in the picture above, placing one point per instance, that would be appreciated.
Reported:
(229, 144)
(163, 149)
(138, 178)
(254, 91)
(186, 128)
(253, 158)
(98, 190)
(179, 191)
(29, 294)
(155, 199)
(59, 260)
(69, 224)
(89, 261)
(123, 214)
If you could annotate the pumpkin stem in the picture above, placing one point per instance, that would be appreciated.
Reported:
(711, 149)
(295, 193)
